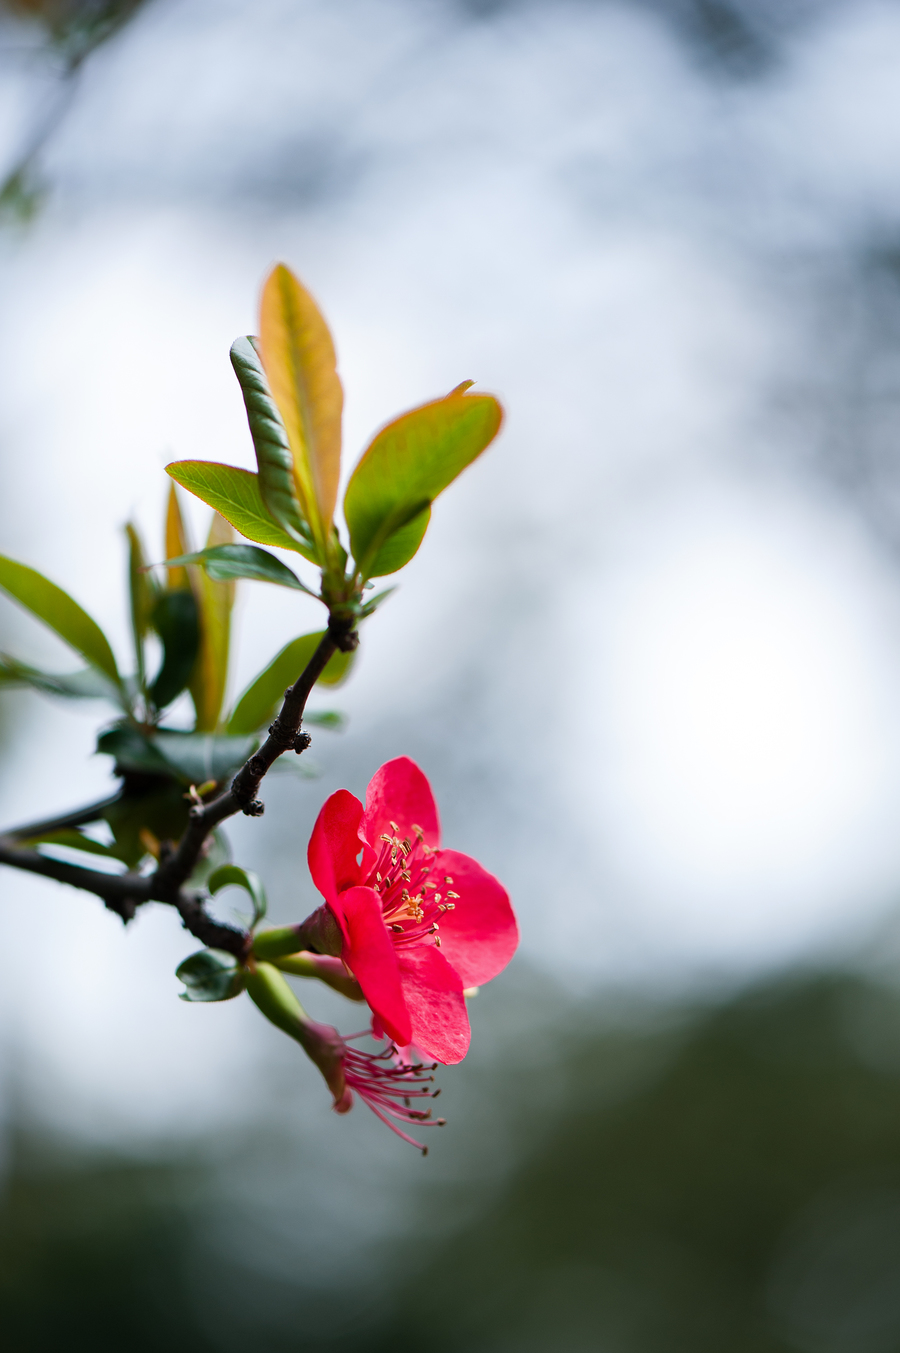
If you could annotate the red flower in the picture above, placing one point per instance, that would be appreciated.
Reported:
(418, 924)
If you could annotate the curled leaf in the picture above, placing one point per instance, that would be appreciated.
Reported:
(270, 441)
(233, 876)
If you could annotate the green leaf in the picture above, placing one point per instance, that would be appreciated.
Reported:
(142, 592)
(233, 876)
(400, 545)
(199, 757)
(63, 615)
(189, 758)
(369, 607)
(270, 441)
(149, 804)
(404, 469)
(176, 621)
(75, 840)
(301, 369)
(178, 541)
(325, 718)
(88, 684)
(236, 496)
(133, 751)
(223, 563)
(211, 975)
(214, 602)
(262, 699)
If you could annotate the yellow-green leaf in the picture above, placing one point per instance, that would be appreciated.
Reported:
(301, 368)
(178, 542)
(404, 469)
(235, 495)
(58, 610)
(214, 602)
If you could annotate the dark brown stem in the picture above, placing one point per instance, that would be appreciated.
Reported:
(124, 893)
(240, 797)
(77, 818)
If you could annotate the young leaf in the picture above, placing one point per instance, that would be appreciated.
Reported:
(178, 542)
(273, 453)
(73, 839)
(88, 684)
(189, 758)
(232, 875)
(142, 592)
(133, 751)
(325, 718)
(235, 496)
(200, 757)
(63, 615)
(224, 563)
(260, 702)
(207, 685)
(175, 620)
(301, 368)
(210, 975)
(404, 469)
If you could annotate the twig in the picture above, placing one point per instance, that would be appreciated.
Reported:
(77, 818)
(240, 797)
(124, 893)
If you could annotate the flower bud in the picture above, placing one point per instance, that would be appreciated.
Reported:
(322, 1044)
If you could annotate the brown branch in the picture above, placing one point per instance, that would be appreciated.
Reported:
(124, 893)
(240, 797)
(77, 818)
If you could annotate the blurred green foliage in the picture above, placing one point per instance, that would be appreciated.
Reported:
(728, 1180)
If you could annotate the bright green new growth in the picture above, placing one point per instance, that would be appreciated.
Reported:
(235, 495)
(293, 399)
(388, 500)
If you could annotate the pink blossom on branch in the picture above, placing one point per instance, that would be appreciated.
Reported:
(417, 924)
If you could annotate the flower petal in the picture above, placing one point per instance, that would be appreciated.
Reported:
(399, 792)
(334, 845)
(369, 954)
(480, 935)
(434, 999)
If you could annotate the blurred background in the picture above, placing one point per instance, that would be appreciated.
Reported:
(649, 657)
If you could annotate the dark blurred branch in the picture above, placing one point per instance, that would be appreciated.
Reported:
(124, 893)
(240, 797)
(77, 818)
(75, 29)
